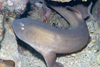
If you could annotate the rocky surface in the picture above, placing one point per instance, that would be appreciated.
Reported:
(9, 46)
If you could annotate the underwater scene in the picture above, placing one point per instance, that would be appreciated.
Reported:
(49, 33)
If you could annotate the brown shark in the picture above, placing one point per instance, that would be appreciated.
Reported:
(48, 40)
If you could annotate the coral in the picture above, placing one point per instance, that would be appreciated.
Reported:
(14, 5)
(18, 5)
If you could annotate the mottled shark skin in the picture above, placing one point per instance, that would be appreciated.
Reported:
(48, 40)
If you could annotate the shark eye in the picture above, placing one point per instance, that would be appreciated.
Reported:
(21, 24)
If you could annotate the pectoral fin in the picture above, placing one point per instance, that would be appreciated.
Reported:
(50, 59)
